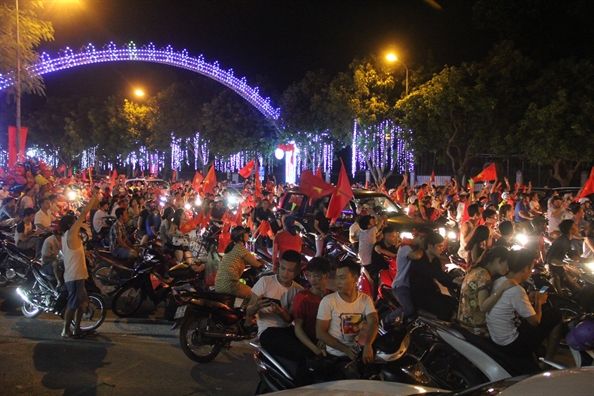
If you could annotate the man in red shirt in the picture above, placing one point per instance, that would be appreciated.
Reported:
(286, 239)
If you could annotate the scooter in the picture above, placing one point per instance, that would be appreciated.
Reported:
(392, 363)
(457, 359)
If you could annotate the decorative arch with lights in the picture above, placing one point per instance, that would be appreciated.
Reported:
(129, 52)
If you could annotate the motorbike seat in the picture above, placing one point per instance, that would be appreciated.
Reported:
(512, 364)
(125, 264)
(227, 299)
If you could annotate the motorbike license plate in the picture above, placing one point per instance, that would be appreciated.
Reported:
(180, 312)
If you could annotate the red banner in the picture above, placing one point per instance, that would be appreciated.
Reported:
(12, 144)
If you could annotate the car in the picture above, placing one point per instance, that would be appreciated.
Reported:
(299, 204)
(155, 183)
(571, 381)
(546, 193)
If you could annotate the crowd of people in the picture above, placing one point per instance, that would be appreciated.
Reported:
(317, 321)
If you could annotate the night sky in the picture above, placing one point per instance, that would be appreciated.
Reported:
(277, 40)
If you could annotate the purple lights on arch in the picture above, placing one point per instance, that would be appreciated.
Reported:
(167, 56)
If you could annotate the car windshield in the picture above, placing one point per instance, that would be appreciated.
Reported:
(382, 202)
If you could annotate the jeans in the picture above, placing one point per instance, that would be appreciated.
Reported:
(407, 307)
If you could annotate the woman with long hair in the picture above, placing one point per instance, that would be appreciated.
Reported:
(479, 242)
(179, 242)
(233, 264)
(475, 298)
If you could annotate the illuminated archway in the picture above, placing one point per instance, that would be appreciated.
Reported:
(110, 53)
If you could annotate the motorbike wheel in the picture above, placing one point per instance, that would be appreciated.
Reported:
(3, 266)
(197, 347)
(569, 311)
(30, 311)
(455, 373)
(106, 279)
(127, 301)
(95, 313)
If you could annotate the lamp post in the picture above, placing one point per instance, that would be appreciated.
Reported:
(18, 82)
(393, 58)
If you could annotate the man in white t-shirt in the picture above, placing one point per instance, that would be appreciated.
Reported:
(513, 304)
(341, 315)
(272, 300)
(44, 217)
(556, 213)
(99, 218)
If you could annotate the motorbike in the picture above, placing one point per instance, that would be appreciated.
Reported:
(210, 321)
(457, 359)
(147, 283)
(108, 272)
(41, 295)
(14, 263)
(392, 362)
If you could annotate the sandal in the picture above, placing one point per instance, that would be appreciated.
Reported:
(90, 333)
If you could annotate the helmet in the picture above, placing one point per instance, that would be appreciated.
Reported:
(582, 337)
(505, 195)
(237, 233)
(449, 198)
(584, 200)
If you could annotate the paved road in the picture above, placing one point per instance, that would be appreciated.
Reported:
(139, 356)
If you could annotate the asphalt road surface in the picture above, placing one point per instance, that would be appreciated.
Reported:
(137, 356)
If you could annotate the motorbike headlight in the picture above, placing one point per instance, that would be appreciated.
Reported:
(307, 257)
(406, 235)
(442, 231)
(163, 198)
(198, 201)
(72, 195)
(232, 199)
(187, 206)
(522, 239)
(452, 235)
(590, 267)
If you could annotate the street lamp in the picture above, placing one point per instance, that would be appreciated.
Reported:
(139, 93)
(18, 81)
(393, 58)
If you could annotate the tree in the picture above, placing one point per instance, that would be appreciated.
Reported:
(557, 128)
(306, 118)
(32, 32)
(367, 93)
(231, 125)
(451, 115)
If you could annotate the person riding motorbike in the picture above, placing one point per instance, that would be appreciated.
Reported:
(119, 243)
(26, 236)
(233, 264)
(8, 213)
(475, 297)
(52, 264)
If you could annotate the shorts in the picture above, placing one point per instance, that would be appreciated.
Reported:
(179, 247)
(77, 293)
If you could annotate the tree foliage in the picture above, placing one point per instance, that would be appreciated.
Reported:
(32, 32)
(450, 115)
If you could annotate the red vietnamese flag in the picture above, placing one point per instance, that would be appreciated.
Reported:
(210, 181)
(313, 186)
(197, 180)
(588, 187)
(319, 173)
(174, 176)
(69, 172)
(187, 226)
(113, 179)
(489, 173)
(238, 219)
(246, 171)
(84, 175)
(142, 174)
(432, 178)
(206, 220)
(225, 218)
(257, 183)
(199, 219)
(341, 197)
